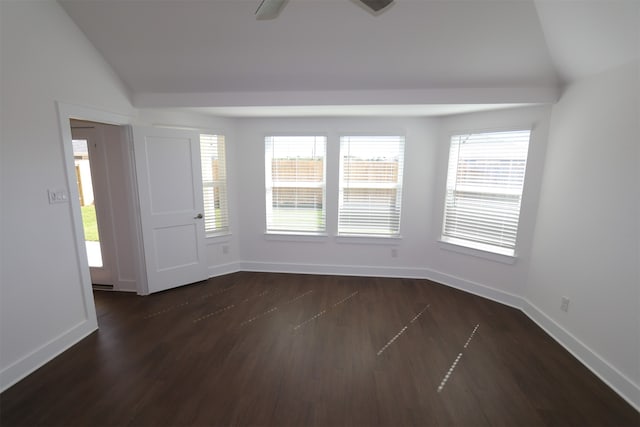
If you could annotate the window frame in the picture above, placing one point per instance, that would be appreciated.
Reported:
(293, 234)
(471, 247)
(398, 186)
(223, 231)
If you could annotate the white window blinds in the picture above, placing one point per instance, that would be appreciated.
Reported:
(370, 196)
(214, 184)
(484, 190)
(295, 184)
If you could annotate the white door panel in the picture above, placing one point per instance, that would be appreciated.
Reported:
(170, 193)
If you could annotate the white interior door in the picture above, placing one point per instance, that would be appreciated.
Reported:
(171, 206)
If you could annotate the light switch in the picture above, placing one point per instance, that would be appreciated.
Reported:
(58, 196)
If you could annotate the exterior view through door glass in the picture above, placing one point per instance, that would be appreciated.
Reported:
(91, 177)
(87, 202)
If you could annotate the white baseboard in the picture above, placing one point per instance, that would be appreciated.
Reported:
(39, 357)
(401, 272)
(221, 270)
(616, 380)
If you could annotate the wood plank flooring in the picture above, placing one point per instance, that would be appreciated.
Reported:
(306, 350)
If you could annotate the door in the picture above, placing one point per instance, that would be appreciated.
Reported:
(169, 179)
(95, 201)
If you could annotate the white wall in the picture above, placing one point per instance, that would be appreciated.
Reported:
(44, 58)
(588, 231)
(476, 267)
(419, 253)
(223, 252)
(326, 254)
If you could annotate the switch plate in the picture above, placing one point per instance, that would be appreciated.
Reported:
(58, 196)
(564, 305)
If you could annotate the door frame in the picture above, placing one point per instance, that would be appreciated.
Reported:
(66, 112)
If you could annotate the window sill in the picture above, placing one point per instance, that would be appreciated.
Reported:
(296, 237)
(215, 239)
(368, 239)
(478, 250)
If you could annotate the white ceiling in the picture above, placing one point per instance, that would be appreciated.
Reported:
(163, 48)
(588, 37)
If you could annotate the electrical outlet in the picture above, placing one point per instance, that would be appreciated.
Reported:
(564, 305)
(58, 196)
(394, 253)
(225, 249)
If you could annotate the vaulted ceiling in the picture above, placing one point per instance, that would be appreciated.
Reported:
(314, 46)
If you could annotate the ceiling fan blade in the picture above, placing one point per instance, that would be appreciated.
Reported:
(376, 5)
(269, 9)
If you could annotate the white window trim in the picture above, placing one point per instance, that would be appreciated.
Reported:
(348, 237)
(480, 250)
(218, 235)
(476, 249)
(218, 239)
(280, 236)
(228, 231)
(297, 235)
(368, 239)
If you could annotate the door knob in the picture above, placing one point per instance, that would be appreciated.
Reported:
(199, 216)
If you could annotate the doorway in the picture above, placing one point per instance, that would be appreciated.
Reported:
(127, 280)
(100, 175)
(92, 179)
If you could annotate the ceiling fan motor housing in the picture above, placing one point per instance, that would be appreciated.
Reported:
(269, 9)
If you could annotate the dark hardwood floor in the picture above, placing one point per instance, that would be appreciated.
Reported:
(303, 350)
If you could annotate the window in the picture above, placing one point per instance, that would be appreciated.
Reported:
(295, 184)
(484, 190)
(214, 184)
(370, 185)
